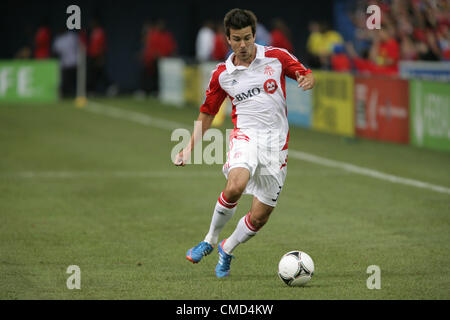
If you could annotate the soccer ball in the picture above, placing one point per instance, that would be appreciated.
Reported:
(296, 268)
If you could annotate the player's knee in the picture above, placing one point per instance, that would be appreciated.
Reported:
(235, 191)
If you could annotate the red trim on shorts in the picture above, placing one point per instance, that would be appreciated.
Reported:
(238, 134)
(284, 164)
(286, 143)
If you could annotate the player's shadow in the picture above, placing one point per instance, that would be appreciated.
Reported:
(317, 281)
(271, 277)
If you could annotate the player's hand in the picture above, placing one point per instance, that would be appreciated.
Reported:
(180, 159)
(305, 82)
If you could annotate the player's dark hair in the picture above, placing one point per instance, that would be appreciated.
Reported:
(239, 19)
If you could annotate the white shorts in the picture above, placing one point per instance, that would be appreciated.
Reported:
(260, 153)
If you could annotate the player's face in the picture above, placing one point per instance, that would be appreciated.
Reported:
(242, 43)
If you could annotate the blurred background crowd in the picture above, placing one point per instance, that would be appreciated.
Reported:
(410, 30)
(335, 38)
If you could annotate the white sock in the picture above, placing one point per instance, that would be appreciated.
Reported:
(223, 212)
(244, 231)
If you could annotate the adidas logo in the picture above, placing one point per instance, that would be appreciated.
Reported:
(234, 82)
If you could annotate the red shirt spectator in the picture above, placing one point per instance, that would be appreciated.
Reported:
(148, 50)
(42, 43)
(167, 45)
(279, 40)
(159, 43)
(340, 62)
(390, 50)
(97, 43)
(220, 48)
(386, 53)
(368, 66)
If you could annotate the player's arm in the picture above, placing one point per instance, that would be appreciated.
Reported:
(202, 124)
(294, 69)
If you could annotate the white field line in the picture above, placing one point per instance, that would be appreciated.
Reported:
(132, 116)
(104, 174)
(177, 173)
(171, 125)
(365, 171)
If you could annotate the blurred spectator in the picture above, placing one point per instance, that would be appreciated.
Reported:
(330, 37)
(314, 45)
(166, 45)
(204, 44)
(65, 46)
(363, 38)
(361, 64)
(263, 37)
(158, 43)
(281, 35)
(321, 45)
(369, 63)
(340, 62)
(425, 53)
(97, 79)
(220, 49)
(408, 50)
(42, 43)
(411, 30)
(385, 51)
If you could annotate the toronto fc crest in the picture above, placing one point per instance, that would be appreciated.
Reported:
(269, 71)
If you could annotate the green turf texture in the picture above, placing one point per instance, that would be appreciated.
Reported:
(125, 215)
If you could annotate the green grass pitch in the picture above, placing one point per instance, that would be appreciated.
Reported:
(86, 189)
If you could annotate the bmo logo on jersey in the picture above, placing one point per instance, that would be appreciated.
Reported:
(250, 93)
(270, 86)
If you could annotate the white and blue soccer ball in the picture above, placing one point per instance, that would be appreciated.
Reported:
(296, 268)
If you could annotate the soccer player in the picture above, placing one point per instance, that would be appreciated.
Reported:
(253, 77)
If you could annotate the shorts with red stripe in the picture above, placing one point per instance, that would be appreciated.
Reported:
(260, 153)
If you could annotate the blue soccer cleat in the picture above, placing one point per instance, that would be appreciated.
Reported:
(223, 266)
(196, 253)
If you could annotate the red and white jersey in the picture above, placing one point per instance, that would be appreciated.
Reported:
(257, 92)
